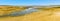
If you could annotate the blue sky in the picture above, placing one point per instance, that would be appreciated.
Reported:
(29, 2)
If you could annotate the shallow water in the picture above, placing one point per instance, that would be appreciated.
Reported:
(21, 13)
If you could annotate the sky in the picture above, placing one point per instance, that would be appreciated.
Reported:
(29, 2)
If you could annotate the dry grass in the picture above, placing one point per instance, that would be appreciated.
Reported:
(6, 10)
(41, 15)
